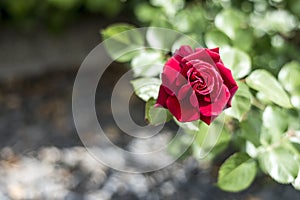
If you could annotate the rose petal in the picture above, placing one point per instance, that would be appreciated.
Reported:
(173, 106)
(227, 78)
(169, 77)
(232, 92)
(214, 54)
(182, 110)
(162, 97)
(184, 50)
(215, 108)
(173, 63)
(184, 91)
(200, 55)
(208, 120)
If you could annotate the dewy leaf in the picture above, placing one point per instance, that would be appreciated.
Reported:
(237, 172)
(122, 41)
(146, 88)
(238, 61)
(216, 38)
(289, 76)
(156, 115)
(147, 63)
(161, 38)
(241, 102)
(280, 164)
(262, 81)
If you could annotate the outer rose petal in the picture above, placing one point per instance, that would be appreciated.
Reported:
(228, 79)
(211, 109)
(182, 52)
(162, 97)
(183, 110)
(214, 54)
(169, 78)
(173, 106)
(208, 120)
(173, 63)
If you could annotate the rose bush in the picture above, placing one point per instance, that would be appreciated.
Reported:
(261, 129)
(196, 85)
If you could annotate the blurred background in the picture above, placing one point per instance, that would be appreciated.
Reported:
(42, 44)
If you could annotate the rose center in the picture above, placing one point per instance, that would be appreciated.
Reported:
(201, 80)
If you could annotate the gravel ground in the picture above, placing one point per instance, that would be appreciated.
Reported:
(41, 156)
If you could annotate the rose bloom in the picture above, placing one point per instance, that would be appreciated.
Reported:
(196, 85)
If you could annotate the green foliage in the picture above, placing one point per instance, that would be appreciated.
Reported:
(211, 140)
(238, 61)
(160, 38)
(237, 172)
(146, 88)
(258, 41)
(230, 21)
(156, 115)
(54, 13)
(289, 77)
(264, 82)
(122, 42)
(280, 164)
(147, 63)
(241, 102)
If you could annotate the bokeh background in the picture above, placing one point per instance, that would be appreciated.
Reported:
(42, 44)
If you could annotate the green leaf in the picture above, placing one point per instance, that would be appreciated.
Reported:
(156, 115)
(237, 172)
(296, 182)
(295, 100)
(280, 164)
(277, 20)
(251, 128)
(145, 12)
(229, 21)
(262, 98)
(170, 7)
(122, 41)
(238, 61)
(275, 119)
(243, 39)
(210, 140)
(146, 88)
(161, 38)
(148, 63)
(190, 20)
(189, 127)
(241, 102)
(262, 81)
(216, 38)
(289, 76)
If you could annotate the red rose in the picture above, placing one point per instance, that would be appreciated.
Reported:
(196, 85)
